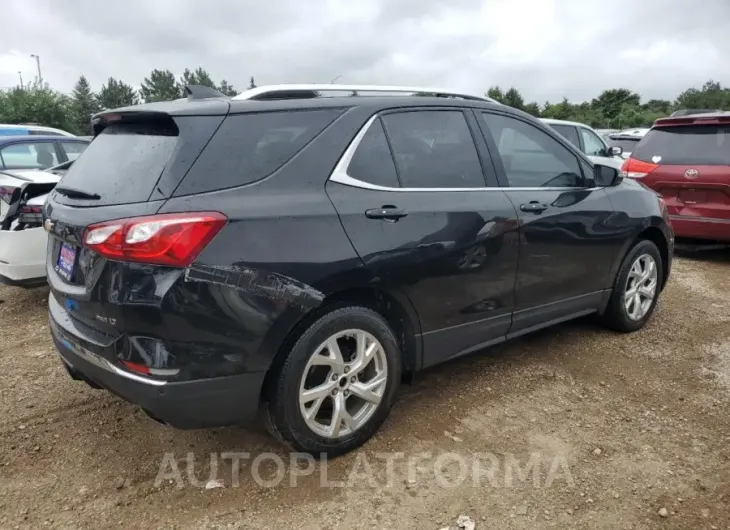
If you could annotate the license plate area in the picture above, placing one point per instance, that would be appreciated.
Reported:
(691, 196)
(66, 261)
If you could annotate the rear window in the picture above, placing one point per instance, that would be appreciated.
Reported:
(627, 144)
(698, 145)
(123, 164)
(249, 147)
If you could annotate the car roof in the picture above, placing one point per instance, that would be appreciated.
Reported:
(40, 138)
(630, 133)
(704, 118)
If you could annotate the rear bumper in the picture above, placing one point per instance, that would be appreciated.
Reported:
(23, 257)
(701, 227)
(203, 403)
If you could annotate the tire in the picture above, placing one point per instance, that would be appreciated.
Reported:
(618, 314)
(283, 413)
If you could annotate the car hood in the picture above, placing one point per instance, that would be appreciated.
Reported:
(32, 175)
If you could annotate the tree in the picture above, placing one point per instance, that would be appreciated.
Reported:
(227, 89)
(198, 77)
(160, 86)
(495, 93)
(513, 98)
(36, 103)
(532, 109)
(116, 94)
(661, 106)
(83, 105)
(711, 96)
(252, 84)
(610, 102)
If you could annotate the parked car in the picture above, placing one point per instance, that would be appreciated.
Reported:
(212, 257)
(22, 238)
(588, 141)
(626, 140)
(687, 160)
(7, 129)
(38, 152)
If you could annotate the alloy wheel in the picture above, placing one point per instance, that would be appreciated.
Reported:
(641, 287)
(343, 383)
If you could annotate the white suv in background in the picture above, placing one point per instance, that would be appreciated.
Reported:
(588, 141)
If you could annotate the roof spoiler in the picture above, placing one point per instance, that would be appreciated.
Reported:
(202, 92)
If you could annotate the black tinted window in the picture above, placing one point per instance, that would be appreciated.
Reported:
(531, 157)
(123, 164)
(706, 145)
(569, 132)
(372, 161)
(434, 149)
(627, 144)
(249, 147)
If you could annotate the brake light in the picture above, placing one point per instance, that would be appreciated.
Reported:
(637, 169)
(173, 239)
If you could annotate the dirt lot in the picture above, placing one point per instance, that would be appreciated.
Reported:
(619, 428)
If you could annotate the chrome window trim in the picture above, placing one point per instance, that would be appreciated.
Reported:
(339, 174)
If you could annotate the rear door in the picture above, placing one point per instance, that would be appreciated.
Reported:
(567, 243)
(689, 165)
(596, 149)
(419, 206)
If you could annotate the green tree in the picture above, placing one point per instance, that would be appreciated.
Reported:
(532, 108)
(83, 105)
(611, 102)
(115, 94)
(36, 103)
(711, 96)
(198, 77)
(160, 86)
(513, 98)
(252, 84)
(661, 106)
(227, 89)
(495, 93)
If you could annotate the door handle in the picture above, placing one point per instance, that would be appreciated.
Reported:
(389, 213)
(534, 207)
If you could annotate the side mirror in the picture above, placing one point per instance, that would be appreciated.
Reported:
(615, 151)
(606, 176)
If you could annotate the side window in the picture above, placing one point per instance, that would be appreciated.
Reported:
(372, 162)
(569, 132)
(30, 155)
(73, 149)
(532, 158)
(434, 149)
(593, 146)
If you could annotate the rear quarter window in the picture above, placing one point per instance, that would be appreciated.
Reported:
(249, 147)
(681, 145)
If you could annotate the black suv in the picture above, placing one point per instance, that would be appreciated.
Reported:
(299, 254)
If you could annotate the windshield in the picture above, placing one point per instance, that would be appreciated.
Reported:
(703, 145)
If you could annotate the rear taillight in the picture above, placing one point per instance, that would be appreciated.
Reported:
(173, 239)
(637, 169)
(31, 215)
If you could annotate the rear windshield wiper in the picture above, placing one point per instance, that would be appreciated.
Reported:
(77, 194)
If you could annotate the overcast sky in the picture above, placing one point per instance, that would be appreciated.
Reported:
(546, 48)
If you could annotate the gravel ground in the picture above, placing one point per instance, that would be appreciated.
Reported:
(574, 427)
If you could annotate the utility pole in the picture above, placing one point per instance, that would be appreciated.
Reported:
(38, 64)
(20, 74)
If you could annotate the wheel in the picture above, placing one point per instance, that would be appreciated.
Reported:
(337, 385)
(636, 289)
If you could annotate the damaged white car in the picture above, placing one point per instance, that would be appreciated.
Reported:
(22, 237)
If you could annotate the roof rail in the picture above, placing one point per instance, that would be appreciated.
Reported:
(202, 92)
(306, 91)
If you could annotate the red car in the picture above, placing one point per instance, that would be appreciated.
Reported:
(687, 161)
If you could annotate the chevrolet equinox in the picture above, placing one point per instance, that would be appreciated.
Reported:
(298, 250)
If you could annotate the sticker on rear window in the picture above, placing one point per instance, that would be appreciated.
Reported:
(656, 159)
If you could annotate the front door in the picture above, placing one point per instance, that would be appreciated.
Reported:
(567, 238)
(416, 206)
